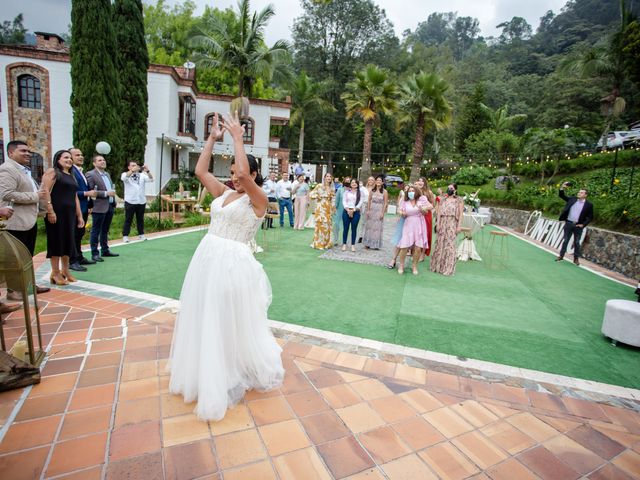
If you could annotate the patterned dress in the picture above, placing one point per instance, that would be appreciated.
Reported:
(375, 224)
(323, 216)
(443, 259)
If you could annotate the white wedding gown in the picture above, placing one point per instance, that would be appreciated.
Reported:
(222, 345)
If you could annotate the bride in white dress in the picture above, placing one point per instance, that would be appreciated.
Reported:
(222, 345)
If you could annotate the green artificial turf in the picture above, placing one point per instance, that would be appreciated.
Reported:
(536, 314)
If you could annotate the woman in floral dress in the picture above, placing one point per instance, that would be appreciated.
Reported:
(323, 195)
(376, 208)
(449, 223)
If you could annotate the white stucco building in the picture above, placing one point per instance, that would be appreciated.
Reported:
(35, 88)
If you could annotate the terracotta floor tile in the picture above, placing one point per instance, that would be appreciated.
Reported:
(283, 437)
(369, 474)
(623, 438)
(535, 428)
(295, 383)
(107, 322)
(92, 396)
(143, 467)
(183, 429)
(70, 337)
(303, 464)
(239, 448)
(173, 405)
(24, 465)
(321, 354)
(384, 445)
(449, 423)
(444, 381)
(370, 389)
(609, 472)
(559, 423)
(421, 400)
(139, 370)
(510, 394)
(499, 411)
(350, 360)
(137, 411)
(237, 418)
(340, 396)
(324, 427)
(474, 413)
(345, 457)
(351, 377)
(448, 462)
(55, 384)
(392, 409)
(546, 465)
(629, 461)
(144, 354)
(146, 387)
(80, 315)
(270, 410)
(410, 467)
(189, 461)
(410, 374)
(69, 325)
(324, 377)
(511, 469)
(622, 416)
(43, 406)
(360, 417)
(111, 345)
(307, 403)
(140, 341)
(379, 367)
(91, 473)
(479, 449)
(68, 350)
(296, 349)
(134, 440)
(256, 471)
(84, 422)
(582, 408)
(64, 365)
(508, 437)
(98, 376)
(99, 360)
(78, 453)
(475, 387)
(596, 442)
(546, 401)
(106, 332)
(252, 395)
(418, 433)
(31, 433)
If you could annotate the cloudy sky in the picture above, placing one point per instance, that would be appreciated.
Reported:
(54, 15)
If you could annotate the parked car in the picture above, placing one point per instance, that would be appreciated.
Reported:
(393, 181)
(632, 139)
(614, 140)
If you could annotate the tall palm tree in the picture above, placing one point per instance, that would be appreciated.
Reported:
(423, 103)
(306, 97)
(499, 119)
(369, 95)
(240, 45)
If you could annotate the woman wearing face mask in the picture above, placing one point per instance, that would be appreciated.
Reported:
(449, 222)
(414, 235)
(352, 203)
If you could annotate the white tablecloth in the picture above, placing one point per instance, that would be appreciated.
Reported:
(467, 248)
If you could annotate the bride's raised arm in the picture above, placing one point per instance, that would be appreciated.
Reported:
(210, 182)
(242, 171)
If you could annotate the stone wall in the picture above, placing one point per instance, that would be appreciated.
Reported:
(612, 250)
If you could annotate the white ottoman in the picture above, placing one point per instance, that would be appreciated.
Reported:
(622, 322)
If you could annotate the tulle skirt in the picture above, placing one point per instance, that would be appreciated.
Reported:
(222, 345)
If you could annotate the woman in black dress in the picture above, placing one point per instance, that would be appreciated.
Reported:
(63, 215)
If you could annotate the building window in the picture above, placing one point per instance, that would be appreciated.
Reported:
(29, 92)
(175, 160)
(249, 127)
(187, 120)
(208, 123)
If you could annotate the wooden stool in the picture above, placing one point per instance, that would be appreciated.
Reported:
(497, 257)
(265, 232)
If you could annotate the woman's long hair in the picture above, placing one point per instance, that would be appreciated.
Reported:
(253, 167)
(427, 191)
(56, 166)
(375, 187)
(357, 189)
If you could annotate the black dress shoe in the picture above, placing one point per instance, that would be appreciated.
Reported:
(84, 261)
(97, 258)
(77, 267)
(42, 289)
(110, 254)
(559, 259)
(576, 261)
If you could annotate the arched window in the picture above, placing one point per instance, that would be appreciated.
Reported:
(187, 119)
(29, 92)
(249, 127)
(208, 123)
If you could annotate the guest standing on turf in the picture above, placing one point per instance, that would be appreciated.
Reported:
(323, 195)
(300, 189)
(352, 202)
(414, 235)
(449, 222)
(283, 192)
(577, 214)
(135, 200)
(376, 208)
(103, 207)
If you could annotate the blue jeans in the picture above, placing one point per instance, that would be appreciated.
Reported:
(353, 221)
(100, 231)
(285, 203)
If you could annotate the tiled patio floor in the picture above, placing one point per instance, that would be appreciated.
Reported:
(103, 410)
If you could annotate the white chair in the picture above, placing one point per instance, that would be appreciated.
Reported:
(622, 322)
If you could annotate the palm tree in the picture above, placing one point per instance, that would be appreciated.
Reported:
(369, 95)
(239, 45)
(306, 97)
(423, 103)
(499, 119)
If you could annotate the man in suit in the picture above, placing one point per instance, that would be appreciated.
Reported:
(85, 196)
(19, 189)
(577, 214)
(103, 208)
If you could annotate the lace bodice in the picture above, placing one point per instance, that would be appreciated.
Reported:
(235, 221)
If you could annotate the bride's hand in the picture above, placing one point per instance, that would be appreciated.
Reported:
(233, 126)
(216, 132)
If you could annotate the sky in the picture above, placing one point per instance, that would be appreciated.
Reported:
(54, 15)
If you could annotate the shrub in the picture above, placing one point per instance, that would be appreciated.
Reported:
(473, 175)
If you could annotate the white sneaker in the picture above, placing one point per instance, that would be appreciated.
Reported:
(125, 239)
(142, 237)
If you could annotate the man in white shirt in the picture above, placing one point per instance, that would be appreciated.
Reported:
(283, 192)
(269, 187)
(135, 200)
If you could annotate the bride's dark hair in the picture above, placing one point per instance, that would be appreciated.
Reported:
(253, 167)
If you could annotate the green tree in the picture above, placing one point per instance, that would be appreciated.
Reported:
(499, 119)
(167, 31)
(367, 97)
(473, 118)
(12, 33)
(239, 45)
(423, 103)
(95, 91)
(307, 97)
(516, 29)
(132, 61)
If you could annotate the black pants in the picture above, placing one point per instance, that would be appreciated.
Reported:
(77, 254)
(129, 210)
(100, 231)
(570, 228)
(28, 239)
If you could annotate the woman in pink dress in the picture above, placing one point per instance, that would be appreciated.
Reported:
(423, 185)
(414, 231)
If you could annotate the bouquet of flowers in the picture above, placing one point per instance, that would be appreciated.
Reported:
(472, 200)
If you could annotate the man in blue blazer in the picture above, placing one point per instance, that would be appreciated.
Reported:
(577, 214)
(85, 196)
